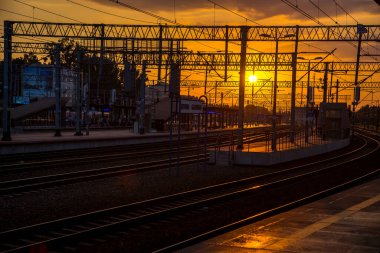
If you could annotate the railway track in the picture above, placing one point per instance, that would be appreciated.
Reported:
(137, 217)
(155, 163)
(18, 159)
(110, 154)
(26, 184)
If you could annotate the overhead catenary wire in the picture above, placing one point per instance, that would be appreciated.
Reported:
(234, 12)
(312, 18)
(295, 7)
(357, 22)
(246, 18)
(50, 12)
(26, 16)
(225, 8)
(348, 14)
(343, 9)
(108, 13)
(320, 9)
(158, 17)
(143, 11)
(22, 15)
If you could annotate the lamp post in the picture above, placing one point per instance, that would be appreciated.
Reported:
(274, 116)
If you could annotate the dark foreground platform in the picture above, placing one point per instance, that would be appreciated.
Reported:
(345, 222)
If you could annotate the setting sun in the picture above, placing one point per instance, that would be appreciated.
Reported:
(252, 78)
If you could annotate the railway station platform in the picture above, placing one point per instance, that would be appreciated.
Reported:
(348, 221)
(256, 153)
(260, 153)
(42, 141)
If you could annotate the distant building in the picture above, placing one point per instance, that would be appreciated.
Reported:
(37, 81)
(334, 120)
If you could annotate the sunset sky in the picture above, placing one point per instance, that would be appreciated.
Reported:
(199, 12)
(217, 12)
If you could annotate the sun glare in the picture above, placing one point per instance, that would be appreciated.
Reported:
(252, 78)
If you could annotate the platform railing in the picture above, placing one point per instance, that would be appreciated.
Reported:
(315, 137)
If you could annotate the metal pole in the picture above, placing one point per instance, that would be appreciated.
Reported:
(87, 118)
(222, 112)
(243, 51)
(205, 134)
(171, 94)
(216, 91)
(331, 83)
(198, 134)
(205, 91)
(57, 76)
(168, 63)
(307, 105)
(142, 99)
(322, 115)
(159, 55)
(325, 77)
(226, 55)
(87, 99)
(294, 82)
(274, 116)
(78, 101)
(337, 90)
(178, 132)
(361, 30)
(7, 80)
(100, 79)
(358, 58)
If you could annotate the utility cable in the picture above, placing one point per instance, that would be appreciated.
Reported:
(143, 11)
(327, 15)
(26, 16)
(158, 17)
(50, 12)
(295, 7)
(225, 8)
(312, 18)
(23, 15)
(343, 9)
(108, 13)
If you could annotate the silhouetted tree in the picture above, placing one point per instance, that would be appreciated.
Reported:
(110, 77)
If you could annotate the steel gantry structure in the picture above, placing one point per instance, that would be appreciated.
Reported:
(199, 60)
(100, 35)
(191, 33)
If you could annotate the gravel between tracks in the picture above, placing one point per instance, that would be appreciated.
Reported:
(57, 202)
(47, 204)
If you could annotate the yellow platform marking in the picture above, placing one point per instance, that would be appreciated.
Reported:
(303, 233)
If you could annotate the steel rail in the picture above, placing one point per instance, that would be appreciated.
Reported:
(103, 221)
(97, 150)
(26, 184)
(100, 154)
(268, 213)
